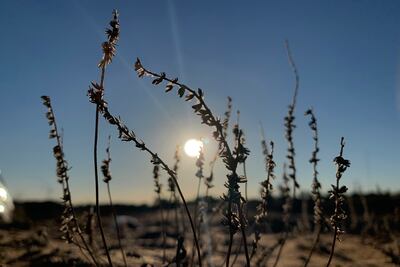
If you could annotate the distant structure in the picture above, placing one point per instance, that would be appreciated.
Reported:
(6, 203)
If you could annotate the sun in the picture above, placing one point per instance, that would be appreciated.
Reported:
(193, 147)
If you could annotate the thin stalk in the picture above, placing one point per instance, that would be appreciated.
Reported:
(116, 224)
(162, 227)
(96, 174)
(282, 244)
(195, 217)
(316, 240)
(66, 183)
(210, 120)
(79, 230)
(228, 254)
(237, 252)
(335, 231)
(338, 194)
(243, 229)
(128, 135)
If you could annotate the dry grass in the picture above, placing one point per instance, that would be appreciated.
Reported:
(287, 248)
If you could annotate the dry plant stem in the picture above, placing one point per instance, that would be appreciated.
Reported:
(96, 174)
(316, 186)
(282, 244)
(337, 193)
(245, 184)
(229, 248)
(116, 224)
(290, 119)
(334, 239)
(219, 130)
(237, 253)
(66, 183)
(196, 223)
(316, 241)
(163, 228)
(128, 135)
(287, 206)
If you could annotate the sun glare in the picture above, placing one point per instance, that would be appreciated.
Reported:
(192, 147)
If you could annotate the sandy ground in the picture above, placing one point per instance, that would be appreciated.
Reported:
(40, 245)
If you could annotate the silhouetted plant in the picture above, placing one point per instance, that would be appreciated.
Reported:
(286, 211)
(172, 189)
(337, 194)
(127, 135)
(289, 124)
(289, 128)
(199, 174)
(105, 169)
(69, 221)
(234, 217)
(266, 189)
(157, 189)
(316, 185)
(109, 50)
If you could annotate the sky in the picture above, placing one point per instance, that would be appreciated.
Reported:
(347, 54)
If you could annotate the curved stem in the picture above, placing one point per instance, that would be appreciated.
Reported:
(197, 223)
(116, 224)
(237, 252)
(336, 224)
(162, 227)
(66, 184)
(332, 248)
(283, 241)
(316, 240)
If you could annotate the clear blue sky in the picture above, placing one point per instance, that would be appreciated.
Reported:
(347, 53)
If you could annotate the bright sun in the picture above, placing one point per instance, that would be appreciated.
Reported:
(192, 147)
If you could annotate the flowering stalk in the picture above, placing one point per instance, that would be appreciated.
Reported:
(337, 194)
(69, 224)
(316, 185)
(234, 215)
(158, 186)
(266, 189)
(289, 123)
(200, 176)
(289, 128)
(105, 169)
(127, 135)
(109, 50)
(172, 190)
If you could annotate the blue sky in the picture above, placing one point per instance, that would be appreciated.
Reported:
(347, 53)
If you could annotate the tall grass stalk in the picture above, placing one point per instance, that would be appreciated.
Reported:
(70, 224)
(287, 208)
(200, 176)
(337, 194)
(289, 128)
(105, 168)
(158, 186)
(234, 217)
(109, 49)
(316, 186)
(127, 135)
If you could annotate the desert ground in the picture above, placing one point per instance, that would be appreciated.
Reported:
(36, 241)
